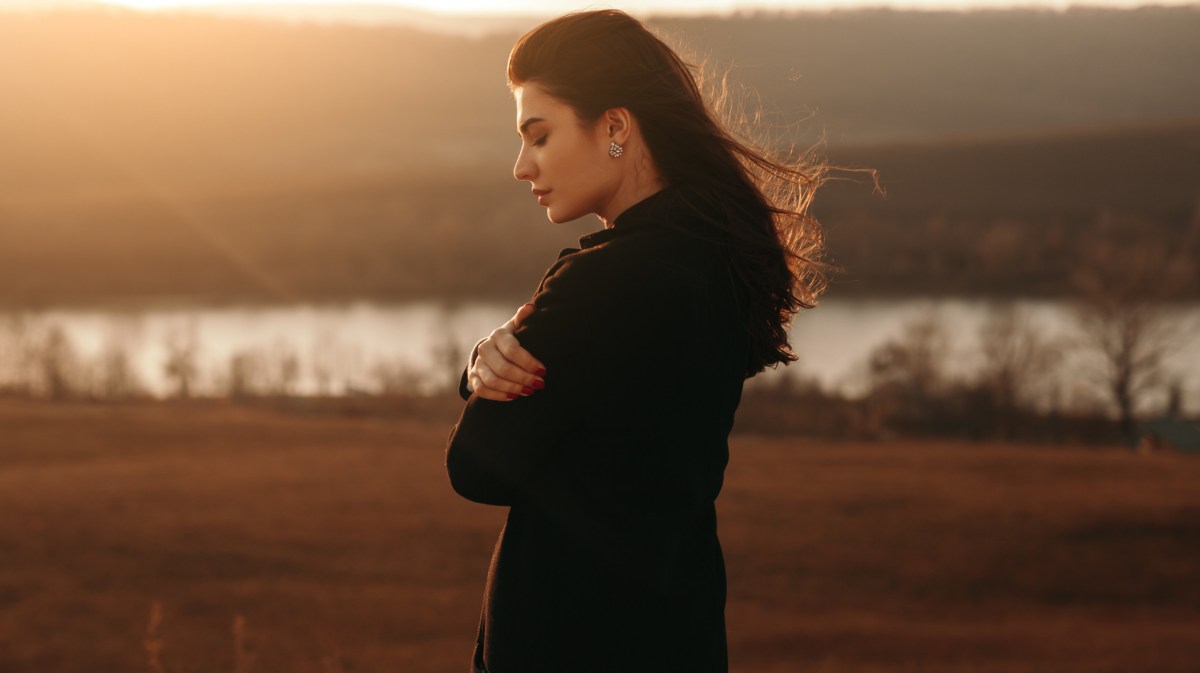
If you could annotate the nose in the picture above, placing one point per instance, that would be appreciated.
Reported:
(524, 169)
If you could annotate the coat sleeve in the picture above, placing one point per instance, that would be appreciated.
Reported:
(464, 389)
(586, 316)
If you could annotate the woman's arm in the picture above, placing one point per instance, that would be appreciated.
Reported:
(590, 327)
(515, 353)
(464, 381)
(499, 368)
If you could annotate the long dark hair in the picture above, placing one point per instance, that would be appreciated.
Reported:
(598, 60)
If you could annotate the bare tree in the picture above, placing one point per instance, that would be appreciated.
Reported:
(321, 362)
(118, 380)
(1019, 365)
(116, 374)
(906, 374)
(289, 373)
(447, 354)
(284, 368)
(16, 361)
(246, 374)
(396, 377)
(57, 364)
(1174, 406)
(915, 362)
(180, 365)
(1127, 276)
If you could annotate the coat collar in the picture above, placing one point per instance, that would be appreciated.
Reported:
(647, 212)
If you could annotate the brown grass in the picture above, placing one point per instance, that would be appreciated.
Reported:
(335, 543)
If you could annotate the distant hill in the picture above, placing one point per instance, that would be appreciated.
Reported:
(882, 75)
(96, 99)
(1005, 216)
(148, 156)
(1151, 168)
(1011, 214)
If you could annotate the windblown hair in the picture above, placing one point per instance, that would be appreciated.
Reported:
(757, 204)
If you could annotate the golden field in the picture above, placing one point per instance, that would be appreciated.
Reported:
(334, 534)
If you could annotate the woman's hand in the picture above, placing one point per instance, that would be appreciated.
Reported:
(502, 369)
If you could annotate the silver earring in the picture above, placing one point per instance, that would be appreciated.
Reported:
(615, 150)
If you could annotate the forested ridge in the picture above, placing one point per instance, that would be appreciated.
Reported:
(332, 162)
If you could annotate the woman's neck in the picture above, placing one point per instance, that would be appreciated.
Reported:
(624, 201)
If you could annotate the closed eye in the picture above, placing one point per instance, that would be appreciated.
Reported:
(541, 141)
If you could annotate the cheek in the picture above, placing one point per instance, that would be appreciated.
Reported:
(577, 152)
(585, 171)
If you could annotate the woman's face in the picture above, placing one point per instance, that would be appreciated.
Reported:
(566, 164)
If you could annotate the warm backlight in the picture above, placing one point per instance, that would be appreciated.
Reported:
(444, 6)
(635, 6)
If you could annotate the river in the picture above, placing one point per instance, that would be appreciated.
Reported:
(359, 348)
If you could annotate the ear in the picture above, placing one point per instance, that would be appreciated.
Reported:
(616, 125)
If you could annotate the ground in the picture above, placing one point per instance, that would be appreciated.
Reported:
(337, 539)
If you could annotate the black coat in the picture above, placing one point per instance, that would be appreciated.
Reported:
(609, 559)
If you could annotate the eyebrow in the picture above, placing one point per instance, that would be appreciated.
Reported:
(529, 122)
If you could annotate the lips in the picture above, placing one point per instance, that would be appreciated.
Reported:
(540, 194)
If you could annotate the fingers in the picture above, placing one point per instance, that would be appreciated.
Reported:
(509, 362)
(489, 384)
(511, 348)
(522, 313)
(503, 370)
(519, 364)
(485, 392)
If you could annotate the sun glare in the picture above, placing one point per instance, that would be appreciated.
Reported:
(547, 7)
(158, 4)
(439, 6)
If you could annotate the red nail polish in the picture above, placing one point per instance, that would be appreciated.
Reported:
(512, 396)
(527, 390)
(541, 371)
(539, 385)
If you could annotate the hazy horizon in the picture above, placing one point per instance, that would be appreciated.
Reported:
(334, 162)
(480, 18)
(386, 11)
(671, 6)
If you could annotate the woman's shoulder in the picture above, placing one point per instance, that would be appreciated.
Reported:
(663, 256)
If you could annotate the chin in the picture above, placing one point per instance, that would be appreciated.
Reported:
(560, 216)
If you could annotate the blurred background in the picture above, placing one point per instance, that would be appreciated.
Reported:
(245, 249)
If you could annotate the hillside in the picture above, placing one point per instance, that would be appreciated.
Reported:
(107, 97)
(1003, 216)
(208, 159)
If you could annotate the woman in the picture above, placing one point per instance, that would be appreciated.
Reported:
(600, 413)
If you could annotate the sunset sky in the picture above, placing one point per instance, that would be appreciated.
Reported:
(671, 6)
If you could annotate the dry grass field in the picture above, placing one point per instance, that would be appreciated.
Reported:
(338, 541)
